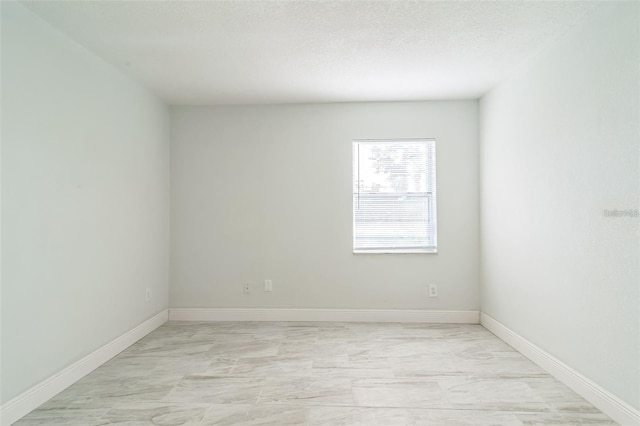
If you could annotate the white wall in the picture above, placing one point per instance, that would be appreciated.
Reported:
(85, 201)
(559, 144)
(264, 192)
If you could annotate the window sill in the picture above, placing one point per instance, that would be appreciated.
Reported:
(399, 251)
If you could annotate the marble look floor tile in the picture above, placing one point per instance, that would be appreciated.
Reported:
(419, 331)
(149, 388)
(464, 418)
(423, 367)
(391, 348)
(230, 335)
(279, 373)
(498, 366)
(63, 417)
(558, 396)
(216, 389)
(219, 367)
(184, 365)
(141, 414)
(404, 393)
(307, 391)
(173, 346)
(255, 415)
(564, 419)
(60, 401)
(355, 416)
(255, 330)
(500, 394)
(301, 335)
(245, 348)
(274, 366)
(353, 373)
(183, 328)
(125, 366)
(350, 361)
(318, 349)
(349, 416)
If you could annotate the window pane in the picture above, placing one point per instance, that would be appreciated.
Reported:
(394, 195)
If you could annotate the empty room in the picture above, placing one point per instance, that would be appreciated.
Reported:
(320, 213)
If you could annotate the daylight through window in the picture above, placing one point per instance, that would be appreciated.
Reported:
(394, 196)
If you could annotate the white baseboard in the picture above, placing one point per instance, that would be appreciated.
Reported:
(31, 399)
(602, 399)
(349, 315)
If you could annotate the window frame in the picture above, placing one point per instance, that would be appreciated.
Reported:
(434, 214)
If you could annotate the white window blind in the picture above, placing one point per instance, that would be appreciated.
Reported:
(394, 196)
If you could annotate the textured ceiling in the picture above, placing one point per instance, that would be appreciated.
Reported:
(231, 52)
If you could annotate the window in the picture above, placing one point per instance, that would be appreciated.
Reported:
(394, 196)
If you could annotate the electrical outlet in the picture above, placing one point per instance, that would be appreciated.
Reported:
(268, 285)
(246, 288)
(147, 294)
(433, 290)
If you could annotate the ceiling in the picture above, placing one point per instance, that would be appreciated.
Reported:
(243, 52)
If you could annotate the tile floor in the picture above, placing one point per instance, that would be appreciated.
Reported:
(191, 373)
